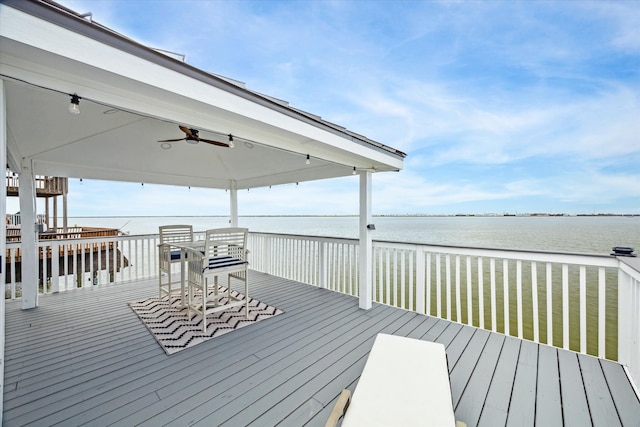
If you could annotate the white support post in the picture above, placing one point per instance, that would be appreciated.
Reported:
(625, 337)
(233, 204)
(3, 232)
(28, 234)
(65, 225)
(366, 245)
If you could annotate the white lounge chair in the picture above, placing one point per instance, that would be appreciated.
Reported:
(405, 382)
(169, 254)
(225, 254)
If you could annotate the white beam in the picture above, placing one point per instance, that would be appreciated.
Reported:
(28, 235)
(233, 202)
(3, 232)
(366, 246)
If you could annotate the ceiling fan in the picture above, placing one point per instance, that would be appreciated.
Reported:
(193, 138)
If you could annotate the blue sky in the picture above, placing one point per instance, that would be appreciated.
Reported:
(500, 106)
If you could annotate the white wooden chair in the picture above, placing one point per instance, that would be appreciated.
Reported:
(225, 254)
(169, 255)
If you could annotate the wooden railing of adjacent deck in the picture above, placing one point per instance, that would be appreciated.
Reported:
(45, 185)
(14, 235)
(581, 302)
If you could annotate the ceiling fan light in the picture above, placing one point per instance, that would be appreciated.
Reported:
(74, 106)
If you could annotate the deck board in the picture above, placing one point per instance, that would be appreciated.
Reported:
(601, 405)
(548, 412)
(574, 401)
(523, 396)
(496, 403)
(624, 398)
(471, 402)
(83, 357)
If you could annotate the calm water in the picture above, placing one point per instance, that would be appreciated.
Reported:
(564, 234)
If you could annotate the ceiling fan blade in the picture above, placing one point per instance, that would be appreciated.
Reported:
(172, 140)
(187, 131)
(218, 143)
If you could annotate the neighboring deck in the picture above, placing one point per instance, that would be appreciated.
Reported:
(84, 357)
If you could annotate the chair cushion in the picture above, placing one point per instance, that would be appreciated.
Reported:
(224, 261)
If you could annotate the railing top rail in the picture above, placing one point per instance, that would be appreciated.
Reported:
(305, 236)
(532, 255)
(631, 266)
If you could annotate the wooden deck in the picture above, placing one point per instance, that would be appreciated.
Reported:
(84, 358)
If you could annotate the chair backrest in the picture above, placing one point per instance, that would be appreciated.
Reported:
(226, 242)
(176, 233)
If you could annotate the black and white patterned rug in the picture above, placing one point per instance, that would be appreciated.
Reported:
(169, 323)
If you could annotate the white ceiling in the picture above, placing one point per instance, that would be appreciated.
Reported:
(131, 101)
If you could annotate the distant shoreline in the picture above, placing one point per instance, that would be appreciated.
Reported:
(506, 215)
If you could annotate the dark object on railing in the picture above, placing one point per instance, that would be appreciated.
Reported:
(622, 251)
(371, 227)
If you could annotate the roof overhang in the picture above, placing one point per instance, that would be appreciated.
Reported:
(133, 96)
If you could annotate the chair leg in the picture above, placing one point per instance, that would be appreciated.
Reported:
(205, 293)
(246, 295)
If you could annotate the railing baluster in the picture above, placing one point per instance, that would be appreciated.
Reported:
(549, 305)
(583, 309)
(395, 277)
(387, 275)
(65, 248)
(43, 263)
(480, 293)
(534, 301)
(519, 297)
(602, 318)
(494, 311)
(438, 286)
(55, 267)
(505, 289)
(420, 281)
(448, 282)
(427, 290)
(403, 280)
(458, 296)
(411, 281)
(469, 293)
(565, 306)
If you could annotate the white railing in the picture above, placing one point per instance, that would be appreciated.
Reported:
(629, 316)
(586, 303)
(566, 300)
(14, 219)
(74, 263)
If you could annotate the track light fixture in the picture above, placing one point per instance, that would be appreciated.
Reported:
(74, 107)
(354, 171)
(231, 144)
(308, 160)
